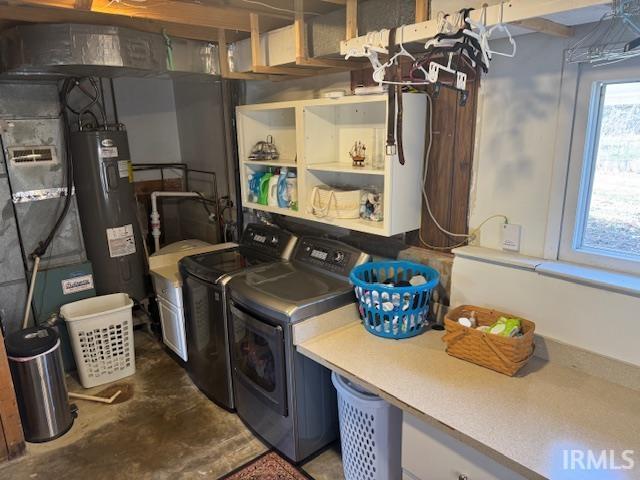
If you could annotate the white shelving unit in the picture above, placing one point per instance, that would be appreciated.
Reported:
(314, 138)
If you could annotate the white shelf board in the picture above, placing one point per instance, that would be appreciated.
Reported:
(343, 167)
(314, 102)
(254, 107)
(346, 100)
(268, 208)
(357, 224)
(271, 163)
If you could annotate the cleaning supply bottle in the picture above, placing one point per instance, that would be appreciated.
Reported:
(292, 189)
(283, 198)
(264, 188)
(272, 195)
(254, 186)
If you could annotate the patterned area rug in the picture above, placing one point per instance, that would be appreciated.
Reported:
(269, 466)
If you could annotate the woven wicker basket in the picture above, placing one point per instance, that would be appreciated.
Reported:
(503, 354)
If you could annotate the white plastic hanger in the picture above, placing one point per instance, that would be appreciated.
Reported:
(380, 72)
(503, 27)
(434, 73)
(481, 34)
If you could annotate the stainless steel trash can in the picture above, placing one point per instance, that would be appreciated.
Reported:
(38, 377)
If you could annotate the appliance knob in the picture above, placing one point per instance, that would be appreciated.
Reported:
(274, 240)
(338, 256)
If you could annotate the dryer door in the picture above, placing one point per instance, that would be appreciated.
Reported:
(258, 358)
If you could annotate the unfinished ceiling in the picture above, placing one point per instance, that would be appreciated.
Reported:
(197, 20)
(279, 39)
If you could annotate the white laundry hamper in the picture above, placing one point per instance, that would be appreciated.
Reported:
(101, 333)
(370, 433)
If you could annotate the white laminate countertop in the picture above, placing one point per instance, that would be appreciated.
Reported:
(166, 265)
(524, 422)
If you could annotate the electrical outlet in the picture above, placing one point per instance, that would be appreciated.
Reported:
(510, 235)
(475, 240)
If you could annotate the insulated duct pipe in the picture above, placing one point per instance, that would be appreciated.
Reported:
(155, 216)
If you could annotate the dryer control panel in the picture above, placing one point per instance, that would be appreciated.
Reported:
(329, 255)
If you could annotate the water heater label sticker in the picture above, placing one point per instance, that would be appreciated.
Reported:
(77, 284)
(123, 168)
(121, 241)
(108, 152)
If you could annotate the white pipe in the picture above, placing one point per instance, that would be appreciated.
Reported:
(27, 307)
(155, 216)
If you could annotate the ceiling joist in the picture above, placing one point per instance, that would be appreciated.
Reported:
(166, 11)
(63, 15)
(543, 25)
(302, 49)
(84, 4)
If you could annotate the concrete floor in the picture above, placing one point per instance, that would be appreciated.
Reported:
(166, 430)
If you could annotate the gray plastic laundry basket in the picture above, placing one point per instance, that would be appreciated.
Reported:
(370, 433)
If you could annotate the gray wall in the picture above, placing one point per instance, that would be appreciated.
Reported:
(173, 121)
(200, 116)
(147, 108)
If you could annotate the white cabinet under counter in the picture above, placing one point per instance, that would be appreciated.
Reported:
(167, 283)
(429, 453)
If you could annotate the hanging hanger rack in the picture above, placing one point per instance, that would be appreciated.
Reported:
(609, 41)
(462, 42)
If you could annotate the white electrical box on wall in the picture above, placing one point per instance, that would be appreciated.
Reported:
(511, 234)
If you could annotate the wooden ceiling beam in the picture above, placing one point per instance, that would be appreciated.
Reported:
(257, 63)
(83, 4)
(62, 15)
(302, 50)
(174, 12)
(543, 25)
(352, 19)
(422, 10)
(223, 58)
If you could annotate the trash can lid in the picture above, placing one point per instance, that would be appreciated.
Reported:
(30, 342)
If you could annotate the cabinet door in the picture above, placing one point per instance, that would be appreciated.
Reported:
(165, 289)
(429, 453)
(172, 321)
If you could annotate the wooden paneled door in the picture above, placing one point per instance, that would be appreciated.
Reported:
(11, 436)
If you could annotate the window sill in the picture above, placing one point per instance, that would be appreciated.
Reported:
(583, 275)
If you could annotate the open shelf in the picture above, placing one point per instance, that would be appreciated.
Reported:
(258, 124)
(315, 136)
(345, 167)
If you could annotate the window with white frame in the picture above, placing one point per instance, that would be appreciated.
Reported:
(601, 223)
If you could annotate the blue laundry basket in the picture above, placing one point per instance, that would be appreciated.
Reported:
(389, 311)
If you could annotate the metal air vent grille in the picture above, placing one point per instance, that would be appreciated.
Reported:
(32, 155)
